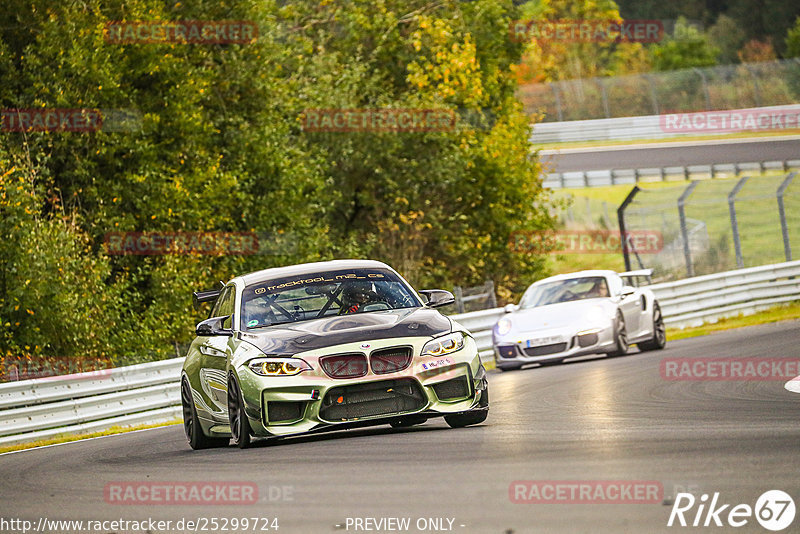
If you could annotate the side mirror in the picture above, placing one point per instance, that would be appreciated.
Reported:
(627, 291)
(437, 297)
(213, 327)
(510, 308)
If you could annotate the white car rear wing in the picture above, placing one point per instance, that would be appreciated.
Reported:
(641, 272)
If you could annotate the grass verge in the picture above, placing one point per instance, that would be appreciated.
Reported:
(784, 312)
(77, 437)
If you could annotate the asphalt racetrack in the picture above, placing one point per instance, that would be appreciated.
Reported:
(671, 154)
(597, 419)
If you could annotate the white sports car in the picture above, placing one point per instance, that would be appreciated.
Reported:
(588, 312)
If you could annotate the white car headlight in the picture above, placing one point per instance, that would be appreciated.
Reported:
(444, 345)
(503, 326)
(278, 366)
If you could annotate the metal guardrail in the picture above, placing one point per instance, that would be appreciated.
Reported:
(599, 178)
(148, 393)
(625, 128)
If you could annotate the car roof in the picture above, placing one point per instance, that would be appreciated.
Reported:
(309, 268)
(579, 274)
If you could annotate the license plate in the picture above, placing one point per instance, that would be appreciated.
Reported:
(543, 341)
(435, 364)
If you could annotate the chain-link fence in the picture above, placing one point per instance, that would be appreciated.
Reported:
(747, 85)
(710, 226)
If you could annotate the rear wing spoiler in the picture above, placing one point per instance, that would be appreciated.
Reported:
(641, 272)
(199, 297)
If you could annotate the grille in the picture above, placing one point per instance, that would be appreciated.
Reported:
(348, 403)
(587, 340)
(390, 360)
(545, 349)
(285, 411)
(455, 388)
(344, 365)
(507, 351)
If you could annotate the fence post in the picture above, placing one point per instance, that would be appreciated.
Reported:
(557, 95)
(756, 89)
(604, 96)
(706, 94)
(687, 252)
(787, 247)
(621, 221)
(490, 290)
(459, 294)
(737, 245)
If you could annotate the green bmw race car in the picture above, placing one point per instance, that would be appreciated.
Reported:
(326, 346)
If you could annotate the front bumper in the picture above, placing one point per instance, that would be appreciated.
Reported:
(552, 345)
(313, 402)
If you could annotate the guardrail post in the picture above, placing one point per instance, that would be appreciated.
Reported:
(737, 244)
(787, 248)
(621, 221)
(687, 252)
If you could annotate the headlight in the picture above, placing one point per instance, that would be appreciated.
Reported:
(278, 366)
(503, 326)
(444, 345)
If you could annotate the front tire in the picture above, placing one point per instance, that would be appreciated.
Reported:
(240, 425)
(659, 340)
(620, 336)
(191, 424)
(470, 418)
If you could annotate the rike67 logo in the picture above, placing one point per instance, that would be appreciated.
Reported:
(774, 510)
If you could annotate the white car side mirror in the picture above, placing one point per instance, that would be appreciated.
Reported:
(509, 308)
(627, 291)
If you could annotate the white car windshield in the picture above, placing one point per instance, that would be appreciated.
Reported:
(589, 287)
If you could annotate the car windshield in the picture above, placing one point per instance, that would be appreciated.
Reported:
(311, 296)
(589, 287)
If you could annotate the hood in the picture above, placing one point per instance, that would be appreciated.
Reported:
(330, 331)
(562, 314)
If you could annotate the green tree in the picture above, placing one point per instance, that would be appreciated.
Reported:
(691, 48)
(793, 40)
(218, 145)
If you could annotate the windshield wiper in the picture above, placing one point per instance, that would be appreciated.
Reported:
(270, 324)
